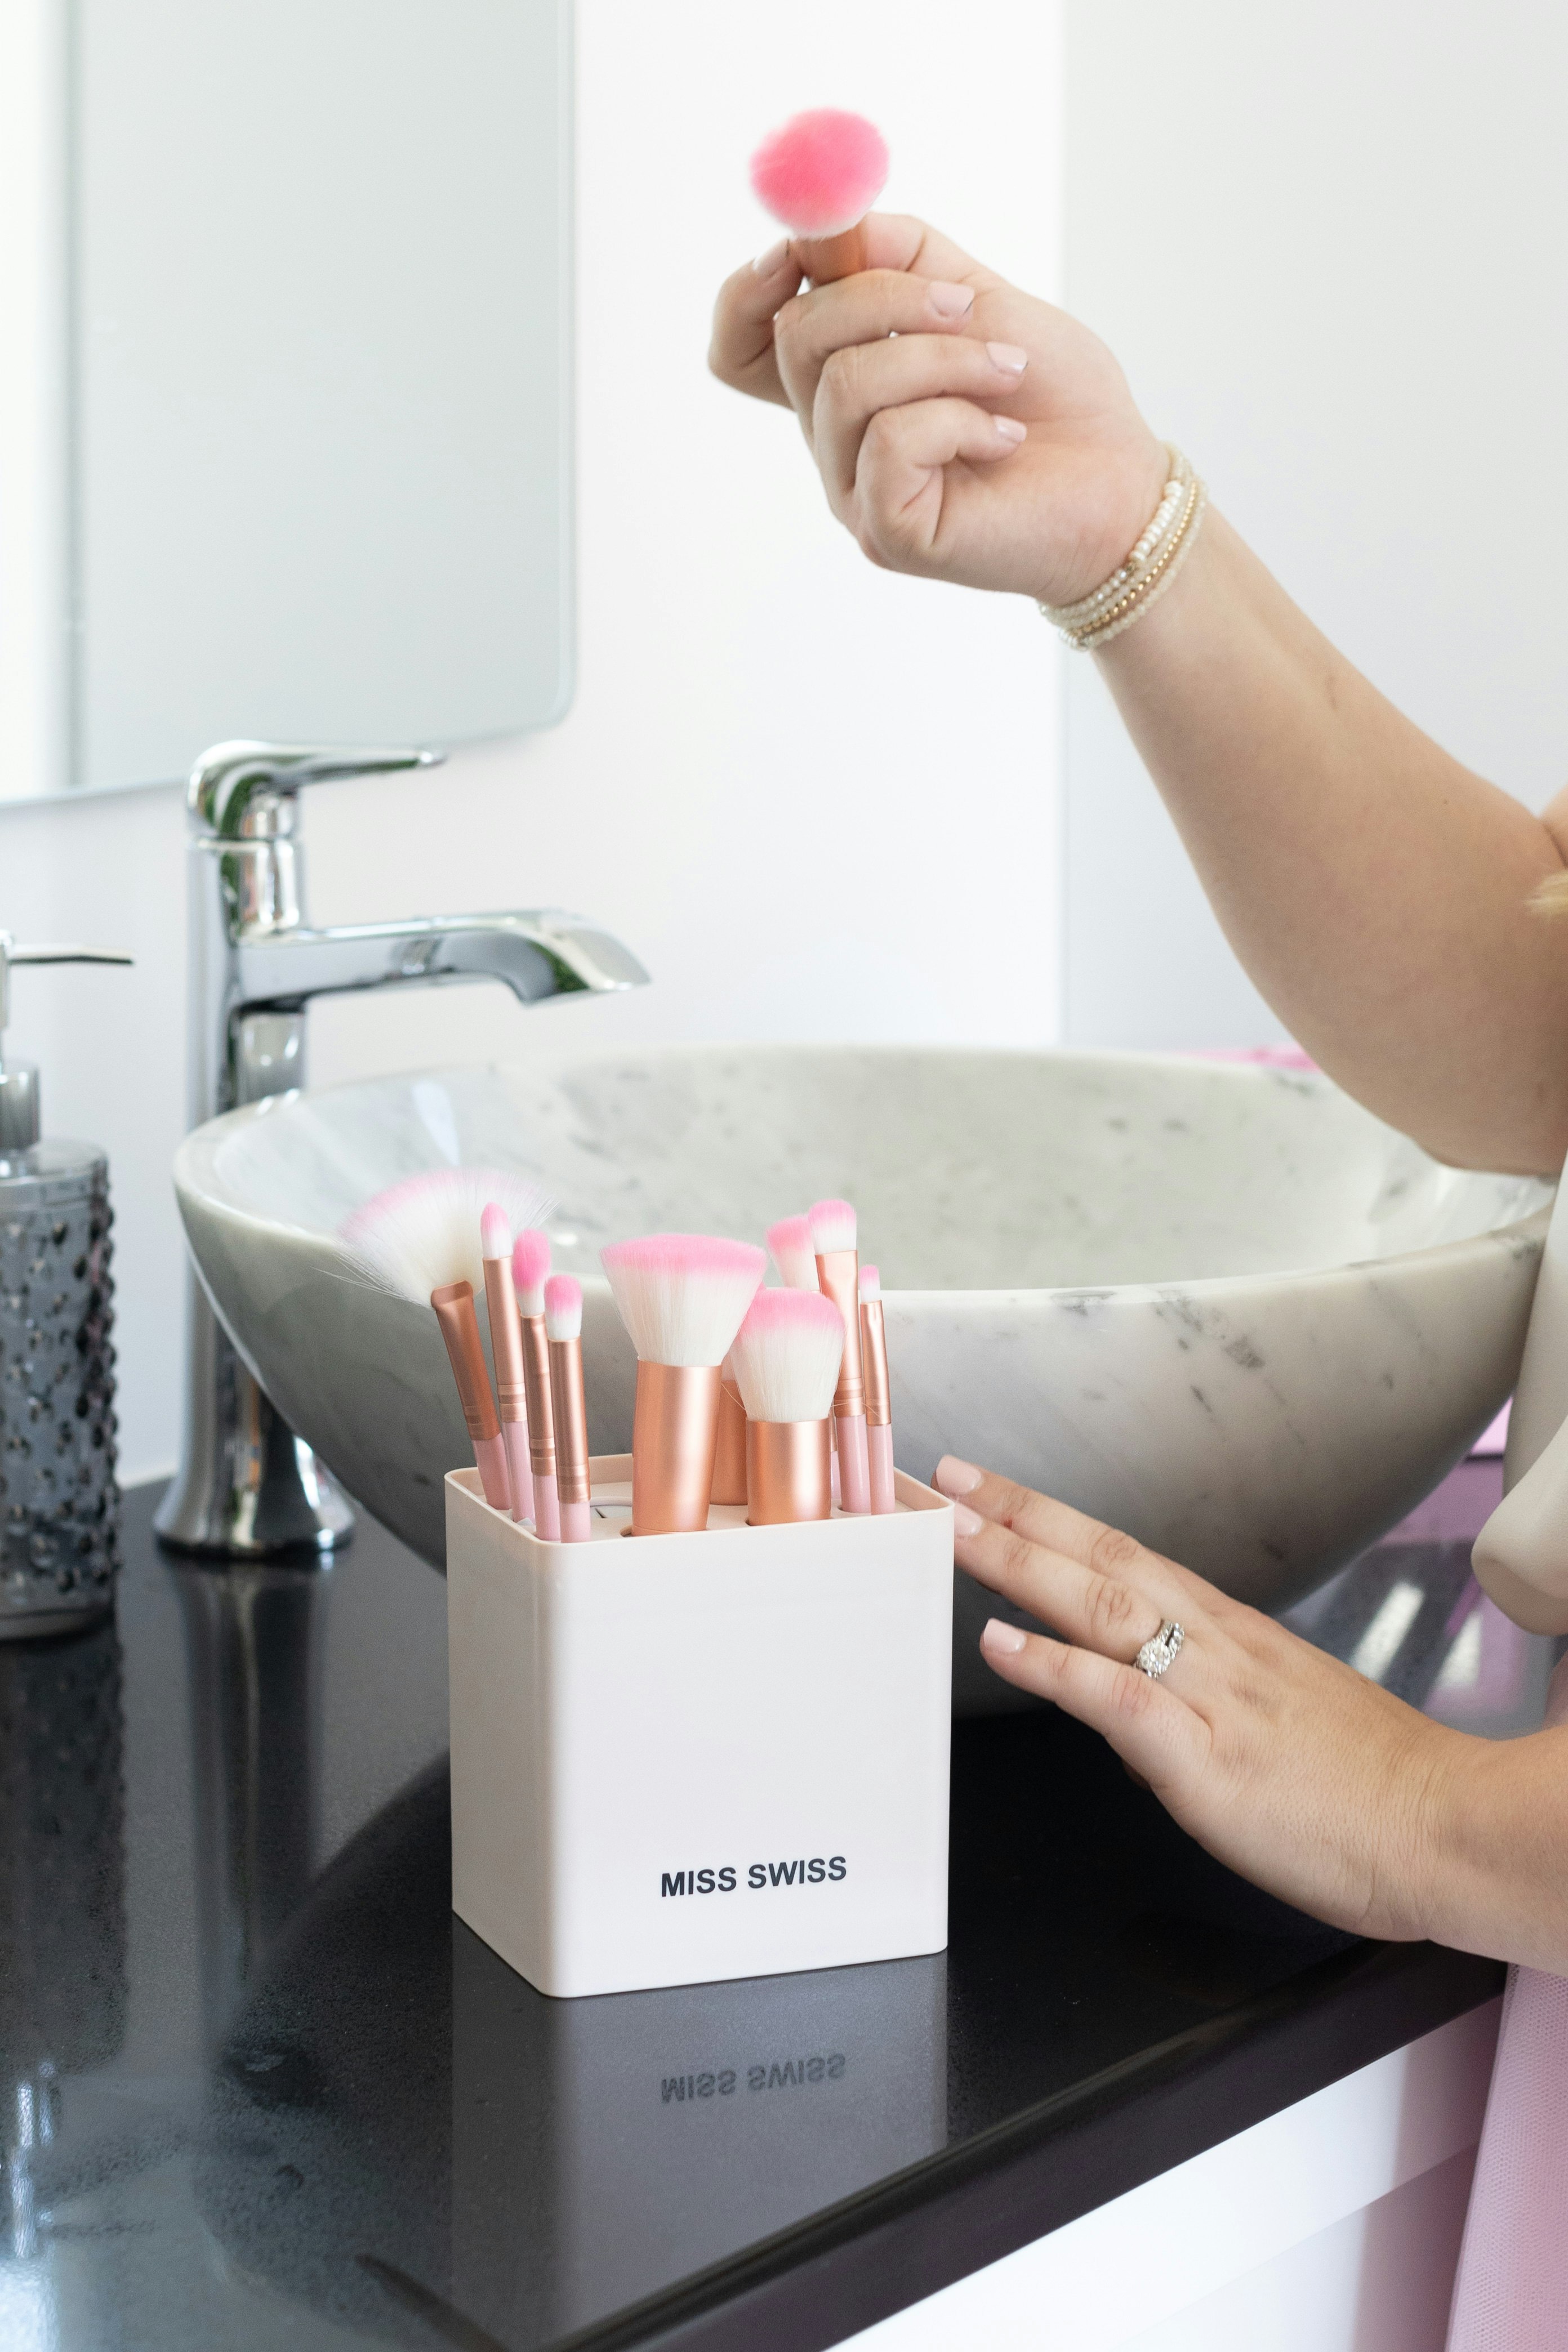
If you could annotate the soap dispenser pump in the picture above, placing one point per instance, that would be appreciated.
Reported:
(60, 1505)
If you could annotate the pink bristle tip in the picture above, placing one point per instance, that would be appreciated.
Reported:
(530, 1258)
(563, 1307)
(788, 1352)
(682, 1296)
(495, 1232)
(870, 1282)
(821, 171)
(793, 1252)
(833, 1226)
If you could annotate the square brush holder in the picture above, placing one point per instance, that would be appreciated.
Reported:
(682, 1757)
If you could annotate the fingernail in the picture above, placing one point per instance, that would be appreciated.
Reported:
(775, 258)
(1005, 1641)
(1010, 357)
(956, 1478)
(949, 301)
(1009, 428)
(967, 1522)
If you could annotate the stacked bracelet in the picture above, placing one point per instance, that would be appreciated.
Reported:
(1148, 572)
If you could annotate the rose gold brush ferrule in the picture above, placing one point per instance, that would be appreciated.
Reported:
(454, 1305)
(534, 1344)
(838, 1271)
(571, 1414)
(730, 1455)
(874, 1356)
(674, 1435)
(826, 258)
(787, 1472)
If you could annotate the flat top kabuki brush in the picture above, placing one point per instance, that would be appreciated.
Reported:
(682, 1297)
(787, 1357)
(819, 175)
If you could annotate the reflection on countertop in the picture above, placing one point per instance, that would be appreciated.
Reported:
(261, 2089)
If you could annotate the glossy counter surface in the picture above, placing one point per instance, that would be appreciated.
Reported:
(262, 2090)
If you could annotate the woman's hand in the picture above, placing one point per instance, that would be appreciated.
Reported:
(963, 429)
(1288, 1767)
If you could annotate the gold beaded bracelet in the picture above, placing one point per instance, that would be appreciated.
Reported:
(1143, 579)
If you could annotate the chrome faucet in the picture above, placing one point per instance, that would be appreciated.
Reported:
(248, 1488)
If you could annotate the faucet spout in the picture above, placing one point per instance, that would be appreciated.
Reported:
(536, 955)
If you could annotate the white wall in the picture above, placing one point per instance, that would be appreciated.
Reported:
(1329, 247)
(818, 800)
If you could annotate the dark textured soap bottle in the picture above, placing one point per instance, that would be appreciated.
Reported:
(59, 1503)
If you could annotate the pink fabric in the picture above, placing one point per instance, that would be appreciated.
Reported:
(1511, 2292)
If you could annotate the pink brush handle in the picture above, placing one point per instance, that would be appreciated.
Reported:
(515, 1434)
(879, 1448)
(575, 1523)
(490, 1460)
(854, 1465)
(546, 1508)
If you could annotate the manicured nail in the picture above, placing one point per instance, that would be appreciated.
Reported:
(949, 301)
(1009, 357)
(967, 1522)
(1010, 429)
(775, 258)
(956, 1478)
(1002, 1641)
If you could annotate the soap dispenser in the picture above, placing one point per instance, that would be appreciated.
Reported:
(60, 1505)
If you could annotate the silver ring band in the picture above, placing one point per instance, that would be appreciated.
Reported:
(1160, 1650)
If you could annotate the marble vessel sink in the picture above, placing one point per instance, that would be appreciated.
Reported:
(1216, 1304)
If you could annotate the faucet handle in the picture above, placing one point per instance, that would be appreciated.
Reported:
(245, 791)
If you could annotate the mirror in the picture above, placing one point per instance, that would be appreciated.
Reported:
(316, 482)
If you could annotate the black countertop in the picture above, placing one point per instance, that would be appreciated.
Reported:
(262, 2089)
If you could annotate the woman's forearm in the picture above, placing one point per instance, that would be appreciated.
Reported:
(1376, 892)
(1494, 1864)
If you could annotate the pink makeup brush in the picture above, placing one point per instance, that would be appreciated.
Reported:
(424, 1232)
(681, 1296)
(454, 1305)
(563, 1328)
(729, 1452)
(820, 175)
(530, 1265)
(833, 1232)
(795, 1252)
(879, 1405)
(787, 1353)
(506, 1350)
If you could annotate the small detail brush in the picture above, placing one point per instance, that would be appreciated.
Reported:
(682, 1297)
(454, 1305)
(879, 1402)
(786, 1355)
(563, 1328)
(506, 1349)
(530, 1265)
(820, 175)
(730, 1453)
(833, 1235)
(795, 1252)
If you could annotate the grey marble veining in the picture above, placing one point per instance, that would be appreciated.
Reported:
(1218, 1305)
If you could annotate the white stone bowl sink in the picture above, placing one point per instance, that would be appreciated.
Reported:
(1216, 1304)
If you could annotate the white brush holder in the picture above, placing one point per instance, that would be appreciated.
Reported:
(682, 1757)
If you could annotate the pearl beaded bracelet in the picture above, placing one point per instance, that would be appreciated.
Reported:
(1147, 572)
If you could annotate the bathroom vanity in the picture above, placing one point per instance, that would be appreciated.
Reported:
(263, 2089)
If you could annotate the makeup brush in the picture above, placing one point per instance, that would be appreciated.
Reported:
(793, 1252)
(454, 1305)
(878, 1403)
(820, 173)
(563, 1328)
(730, 1451)
(682, 1297)
(787, 1353)
(833, 1235)
(423, 1233)
(506, 1352)
(530, 1265)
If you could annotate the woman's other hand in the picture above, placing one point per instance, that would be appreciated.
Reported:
(1286, 1765)
(964, 430)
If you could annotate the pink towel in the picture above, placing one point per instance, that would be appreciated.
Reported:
(1511, 2292)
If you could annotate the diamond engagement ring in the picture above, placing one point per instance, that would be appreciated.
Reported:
(1160, 1649)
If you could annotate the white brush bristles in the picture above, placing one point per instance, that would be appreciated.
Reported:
(423, 1233)
(495, 1232)
(833, 1226)
(787, 1356)
(681, 1296)
(792, 1253)
(563, 1307)
(870, 1282)
(530, 1265)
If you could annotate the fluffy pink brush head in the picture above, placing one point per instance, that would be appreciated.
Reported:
(822, 172)
(530, 1265)
(787, 1355)
(870, 1282)
(682, 1296)
(793, 1252)
(833, 1226)
(563, 1307)
(495, 1232)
